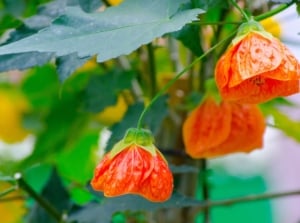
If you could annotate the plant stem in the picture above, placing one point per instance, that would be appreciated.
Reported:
(214, 23)
(240, 10)
(44, 203)
(152, 69)
(205, 190)
(9, 190)
(225, 202)
(172, 81)
(257, 18)
(12, 198)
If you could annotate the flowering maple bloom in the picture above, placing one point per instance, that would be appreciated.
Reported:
(135, 166)
(214, 129)
(256, 67)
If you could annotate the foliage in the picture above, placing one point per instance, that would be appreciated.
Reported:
(77, 74)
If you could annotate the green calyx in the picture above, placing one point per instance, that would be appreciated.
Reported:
(250, 26)
(141, 137)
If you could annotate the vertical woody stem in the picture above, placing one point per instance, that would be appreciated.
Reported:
(152, 69)
(44, 203)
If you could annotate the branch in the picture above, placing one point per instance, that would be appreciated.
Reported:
(9, 190)
(44, 203)
(249, 198)
(13, 198)
(152, 69)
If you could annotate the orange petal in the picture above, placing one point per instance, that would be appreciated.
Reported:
(207, 126)
(260, 89)
(124, 173)
(223, 67)
(255, 55)
(247, 129)
(98, 181)
(289, 69)
(158, 186)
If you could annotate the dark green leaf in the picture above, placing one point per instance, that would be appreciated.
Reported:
(189, 35)
(103, 90)
(62, 119)
(63, 126)
(210, 4)
(33, 24)
(116, 31)
(37, 176)
(130, 120)
(42, 19)
(103, 212)
(153, 118)
(8, 22)
(55, 193)
(15, 7)
(66, 65)
(90, 5)
(23, 60)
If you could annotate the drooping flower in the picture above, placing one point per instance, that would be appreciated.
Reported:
(214, 129)
(256, 67)
(134, 166)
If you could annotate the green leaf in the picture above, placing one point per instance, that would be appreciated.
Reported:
(290, 127)
(66, 65)
(63, 120)
(210, 4)
(77, 162)
(103, 90)
(282, 121)
(8, 22)
(90, 5)
(130, 120)
(6, 178)
(41, 87)
(189, 36)
(91, 212)
(116, 31)
(23, 60)
(63, 126)
(76, 165)
(153, 118)
(55, 193)
(37, 176)
(32, 25)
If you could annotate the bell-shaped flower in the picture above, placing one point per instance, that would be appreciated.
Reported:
(134, 166)
(215, 129)
(256, 67)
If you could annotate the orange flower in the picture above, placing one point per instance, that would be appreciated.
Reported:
(213, 129)
(134, 166)
(257, 67)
